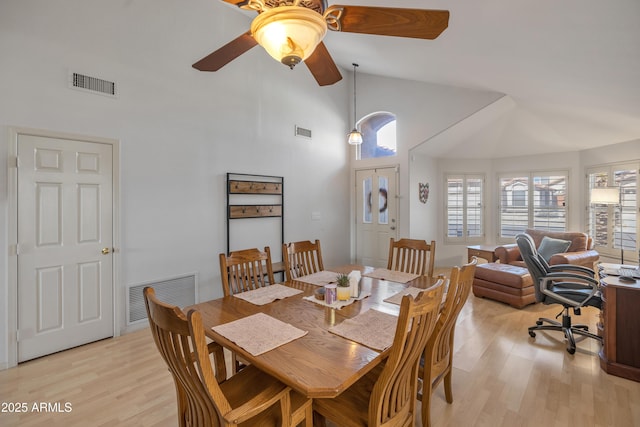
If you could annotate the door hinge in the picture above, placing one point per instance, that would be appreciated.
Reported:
(18, 335)
(14, 162)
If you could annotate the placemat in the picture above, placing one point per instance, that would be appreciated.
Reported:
(338, 304)
(372, 328)
(392, 276)
(320, 278)
(397, 298)
(267, 294)
(259, 333)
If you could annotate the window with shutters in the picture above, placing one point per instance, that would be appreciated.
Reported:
(615, 226)
(465, 208)
(532, 200)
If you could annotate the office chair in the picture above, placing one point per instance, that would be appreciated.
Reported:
(572, 286)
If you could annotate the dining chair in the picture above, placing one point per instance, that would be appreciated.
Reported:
(386, 395)
(412, 256)
(245, 270)
(436, 365)
(249, 398)
(301, 258)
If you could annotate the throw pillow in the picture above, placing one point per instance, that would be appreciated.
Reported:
(550, 246)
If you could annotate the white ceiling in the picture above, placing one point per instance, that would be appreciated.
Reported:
(570, 70)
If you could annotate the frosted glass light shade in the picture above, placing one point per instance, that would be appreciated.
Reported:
(605, 195)
(289, 33)
(355, 137)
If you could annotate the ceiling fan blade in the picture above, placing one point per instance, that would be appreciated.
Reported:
(227, 53)
(235, 2)
(322, 67)
(391, 21)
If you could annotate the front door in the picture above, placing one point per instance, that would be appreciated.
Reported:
(376, 215)
(65, 278)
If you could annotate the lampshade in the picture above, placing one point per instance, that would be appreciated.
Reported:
(355, 137)
(605, 195)
(289, 33)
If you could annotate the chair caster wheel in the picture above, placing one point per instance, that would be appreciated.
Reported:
(538, 322)
(571, 350)
(532, 334)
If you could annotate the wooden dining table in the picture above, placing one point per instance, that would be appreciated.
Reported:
(320, 364)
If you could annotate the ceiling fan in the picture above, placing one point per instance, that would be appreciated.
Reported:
(291, 31)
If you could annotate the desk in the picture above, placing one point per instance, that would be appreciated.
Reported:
(620, 353)
(320, 364)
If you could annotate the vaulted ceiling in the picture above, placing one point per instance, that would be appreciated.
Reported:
(570, 71)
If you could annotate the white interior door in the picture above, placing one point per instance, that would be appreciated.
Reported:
(376, 215)
(65, 240)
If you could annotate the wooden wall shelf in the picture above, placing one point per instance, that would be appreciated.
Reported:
(254, 187)
(254, 211)
(266, 190)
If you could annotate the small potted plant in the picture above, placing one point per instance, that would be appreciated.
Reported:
(344, 290)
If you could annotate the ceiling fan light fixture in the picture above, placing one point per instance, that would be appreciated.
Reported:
(289, 33)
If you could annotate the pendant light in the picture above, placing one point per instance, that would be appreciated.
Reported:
(355, 137)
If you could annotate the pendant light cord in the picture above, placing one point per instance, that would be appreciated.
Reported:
(355, 117)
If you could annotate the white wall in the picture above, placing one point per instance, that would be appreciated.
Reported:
(424, 217)
(180, 130)
(422, 110)
(622, 152)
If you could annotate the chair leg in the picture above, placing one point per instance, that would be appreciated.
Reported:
(426, 405)
(566, 327)
(303, 413)
(586, 334)
(571, 342)
(308, 419)
(448, 390)
(319, 420)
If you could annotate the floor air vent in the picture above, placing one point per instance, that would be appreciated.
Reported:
(92, 84)
(180, 291)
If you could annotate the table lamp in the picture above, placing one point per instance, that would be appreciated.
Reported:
(609, 196)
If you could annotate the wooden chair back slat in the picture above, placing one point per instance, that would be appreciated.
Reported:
(393, 397)
(245, 270)
(178, 346)
(412, 256)
(301, 259)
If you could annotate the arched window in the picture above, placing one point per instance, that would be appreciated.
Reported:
(379, 135)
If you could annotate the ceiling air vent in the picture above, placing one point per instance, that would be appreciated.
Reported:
(305, 133)
(92, 84)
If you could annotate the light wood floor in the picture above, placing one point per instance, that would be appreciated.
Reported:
(501, 378)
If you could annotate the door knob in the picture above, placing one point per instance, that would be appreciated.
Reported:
(393, 228)
(105, 251)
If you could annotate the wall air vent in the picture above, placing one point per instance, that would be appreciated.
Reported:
(92, 84)
(180, 291)
(305, 133)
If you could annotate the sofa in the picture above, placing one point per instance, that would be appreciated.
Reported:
(508, 280)
(580, 251)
